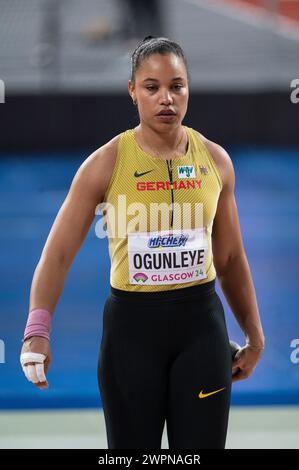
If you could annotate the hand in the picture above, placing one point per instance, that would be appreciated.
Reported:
(40, 350)
(245, 362)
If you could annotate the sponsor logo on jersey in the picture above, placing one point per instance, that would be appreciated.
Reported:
(186, 171)
(136, 174)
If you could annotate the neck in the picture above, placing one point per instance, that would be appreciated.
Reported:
(164, 141)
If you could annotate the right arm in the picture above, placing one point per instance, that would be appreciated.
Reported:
(67, 234)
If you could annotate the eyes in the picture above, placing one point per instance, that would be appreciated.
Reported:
(153, 87)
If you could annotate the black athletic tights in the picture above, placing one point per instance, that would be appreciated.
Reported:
(162, 357)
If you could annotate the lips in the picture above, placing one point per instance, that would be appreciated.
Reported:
(166, 113)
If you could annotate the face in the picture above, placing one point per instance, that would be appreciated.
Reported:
(161, 84)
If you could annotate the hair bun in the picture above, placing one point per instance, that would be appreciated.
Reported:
(147, 38)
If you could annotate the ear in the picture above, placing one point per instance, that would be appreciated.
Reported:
(131, 89)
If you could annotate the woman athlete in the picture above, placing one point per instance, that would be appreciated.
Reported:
(165, 354)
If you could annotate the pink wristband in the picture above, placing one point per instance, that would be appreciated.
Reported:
(38, 324)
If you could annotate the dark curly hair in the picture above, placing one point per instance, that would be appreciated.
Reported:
(152, 45)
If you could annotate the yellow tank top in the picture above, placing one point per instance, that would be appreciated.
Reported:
(148, 251)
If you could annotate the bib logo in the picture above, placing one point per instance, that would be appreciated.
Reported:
(167, 241)
(186, 172)
(140, 277)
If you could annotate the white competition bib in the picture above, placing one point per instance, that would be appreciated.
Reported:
(167, 257)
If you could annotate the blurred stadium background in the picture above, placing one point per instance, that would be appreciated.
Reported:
(65, 67)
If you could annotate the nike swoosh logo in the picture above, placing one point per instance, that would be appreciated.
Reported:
(205, 395)
(141, 174)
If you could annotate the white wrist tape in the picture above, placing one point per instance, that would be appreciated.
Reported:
(34, 373)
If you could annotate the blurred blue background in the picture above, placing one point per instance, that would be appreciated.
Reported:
(32, 191)
(65, 75)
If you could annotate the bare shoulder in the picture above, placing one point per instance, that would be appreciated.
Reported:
(98, 167)
(222, 160)
(103, 156)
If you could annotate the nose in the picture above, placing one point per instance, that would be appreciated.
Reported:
(166, 98)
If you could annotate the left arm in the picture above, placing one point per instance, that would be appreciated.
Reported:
(232, 267)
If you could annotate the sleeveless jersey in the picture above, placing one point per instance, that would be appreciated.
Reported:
(150, 251)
